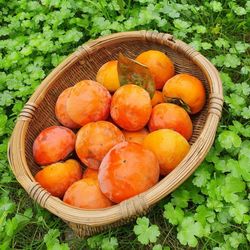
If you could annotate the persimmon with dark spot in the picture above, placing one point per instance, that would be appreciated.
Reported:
(128, 169)
(136, 136)
(94, 140)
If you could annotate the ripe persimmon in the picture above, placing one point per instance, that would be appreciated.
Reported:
(61, 112)
(188, 88)
(88, 101)
(90, 173)
(94, 140)
(53, 144)
(127, 169)
(86, 193)
(107, 75)
(136, 136)
(157, 98)
(131, 107)
(57, 177)
(169, 146)
(159, 65)
(169, 115)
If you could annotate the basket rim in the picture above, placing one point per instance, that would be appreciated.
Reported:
(140, 203)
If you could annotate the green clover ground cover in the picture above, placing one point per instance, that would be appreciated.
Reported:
(211, 209)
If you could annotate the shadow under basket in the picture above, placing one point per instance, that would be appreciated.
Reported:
(38, 114)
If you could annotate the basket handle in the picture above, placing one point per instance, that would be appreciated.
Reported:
(92, 45)
(34, 189)
(154, 36)
(215, 104)
(18, 162)
(134, 206)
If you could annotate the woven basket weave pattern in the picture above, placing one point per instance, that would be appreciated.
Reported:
(38, 114)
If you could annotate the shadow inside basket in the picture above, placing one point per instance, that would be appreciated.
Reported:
(86, 68)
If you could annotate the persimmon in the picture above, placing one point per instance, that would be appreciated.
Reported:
(131, 107)
(53, 144)
(159, 65)
(137, 136)
(169, 115)
(57, 177)
(88, 101)
(94, 140)
(126, 170)
(157, 98)
(169, 146)
(90, 173)
(61, 111)
(188, 88)
(86, 193)
(107, 75)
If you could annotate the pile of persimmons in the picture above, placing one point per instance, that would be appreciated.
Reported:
(116, 141)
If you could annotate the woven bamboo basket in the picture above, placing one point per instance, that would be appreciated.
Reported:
(38, 113)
